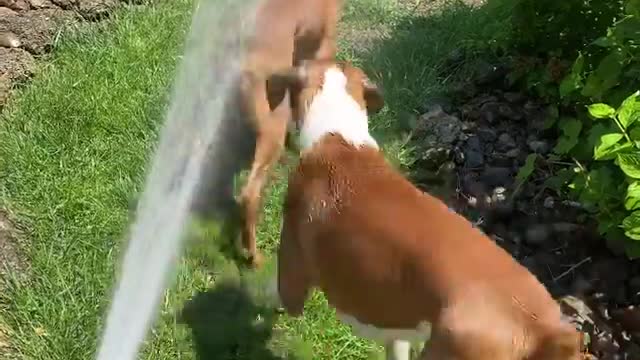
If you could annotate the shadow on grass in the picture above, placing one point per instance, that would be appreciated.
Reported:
(226, 323)
(419, 56)
(234, 319)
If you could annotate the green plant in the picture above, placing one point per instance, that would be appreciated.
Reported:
(610, 185)
(560, 28)
(582, 58)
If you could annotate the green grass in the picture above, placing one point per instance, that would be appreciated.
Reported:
(73, 149)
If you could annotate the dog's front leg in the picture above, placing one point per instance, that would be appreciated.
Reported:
(270, 127)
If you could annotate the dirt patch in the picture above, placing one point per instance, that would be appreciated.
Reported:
(12, 265)
(5, 345)
(11, 261)
(361, 40)
(36, 29)
(471, 144)
(29, 28)
(429, 6)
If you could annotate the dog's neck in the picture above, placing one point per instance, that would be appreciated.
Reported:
(333, 110)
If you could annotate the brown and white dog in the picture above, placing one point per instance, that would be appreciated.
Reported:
(286, 33)
(395, 263)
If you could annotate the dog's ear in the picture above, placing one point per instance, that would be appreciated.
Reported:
(373, 96)
(295, 76)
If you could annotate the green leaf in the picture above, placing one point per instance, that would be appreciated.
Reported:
(633, 7)
(627, 28)
(605, 76)
(632, 249)
(573, 80)
(552, 117)
(603, 42)
(632, 199)
(597, 130)
(548, 122)
(571, 127)
(606, 145)
(565, 145)
(527, 169)
(559, 180)
(571, 130)
(601, 111)
(630, 164)
(629, 110)
(631, 225)
(634, 134)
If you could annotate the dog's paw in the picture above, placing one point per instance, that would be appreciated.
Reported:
(256, 260)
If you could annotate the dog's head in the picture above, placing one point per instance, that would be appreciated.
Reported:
(306, 80)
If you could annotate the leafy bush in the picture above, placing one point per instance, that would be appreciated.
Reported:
(594, 103)
(561, 28)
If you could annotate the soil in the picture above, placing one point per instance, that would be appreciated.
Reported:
(11, 261)
(471, 144)
(29, 28)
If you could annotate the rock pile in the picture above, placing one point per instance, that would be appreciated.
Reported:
(473, 143)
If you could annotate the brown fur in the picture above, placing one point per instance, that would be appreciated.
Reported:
(392, 256)
(287, 32)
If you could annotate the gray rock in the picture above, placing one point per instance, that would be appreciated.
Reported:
(538, 146)
(576, 309)
(5, 11)
(486, 134)
(490, 112)
(17, 5)
(505, 142)
(469, 126)
(549, 202)
(537, 234)
(506, 112)
(433, 157)
(499, 195)
(474, 143)
(9, 40)
(513, 153)
(432, 103)
(438, 132)
(40, 4)
(473, 158)
(513, 97)
(496, 176)
(439, 127)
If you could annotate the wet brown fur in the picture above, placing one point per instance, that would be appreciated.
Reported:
(392, 256)
(287, 32)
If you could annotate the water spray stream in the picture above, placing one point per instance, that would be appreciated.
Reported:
(210, 65)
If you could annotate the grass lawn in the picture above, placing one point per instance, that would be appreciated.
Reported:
(73, 148)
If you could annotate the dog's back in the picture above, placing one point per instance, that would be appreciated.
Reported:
(289, 30)
(371, 241)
